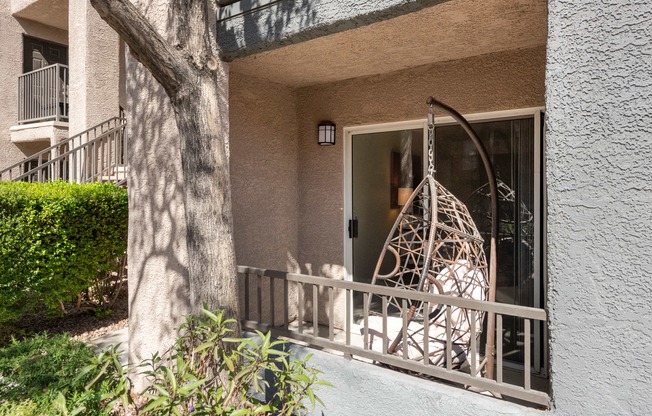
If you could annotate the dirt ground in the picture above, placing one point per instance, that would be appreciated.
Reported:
(82, 325)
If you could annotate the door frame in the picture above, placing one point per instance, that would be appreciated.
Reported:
(349, 132)
(539, 195)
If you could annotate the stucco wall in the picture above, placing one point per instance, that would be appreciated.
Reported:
(94, 68)
(599, 145)
(288, 22)
(498, 81)
(158, 287)
(263, 148)
(11, 66)
(158, 278)
(263, 151)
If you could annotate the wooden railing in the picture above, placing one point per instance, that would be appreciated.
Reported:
(43, 95)
(98, 154)
(271, 303)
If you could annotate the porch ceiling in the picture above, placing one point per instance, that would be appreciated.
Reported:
(452, 30)
(49, 12)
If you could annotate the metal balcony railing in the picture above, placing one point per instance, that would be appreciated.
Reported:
(98, 154)
(43, 95)
(290, 305)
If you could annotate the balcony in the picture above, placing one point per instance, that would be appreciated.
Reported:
(42, 106)
(43, 95)
(302, 308)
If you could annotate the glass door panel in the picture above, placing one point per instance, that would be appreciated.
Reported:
(384, 168)
(459, 167)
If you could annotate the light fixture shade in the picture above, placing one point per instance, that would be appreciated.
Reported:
(326, 133)
(403, 195)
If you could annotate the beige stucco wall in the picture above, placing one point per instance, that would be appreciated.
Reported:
(94, 62)
(264, 172)
(501, 81)
(157, 245)
(263, 149)
(11, 66)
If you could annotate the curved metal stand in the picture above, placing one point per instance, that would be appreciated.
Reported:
(493, 189)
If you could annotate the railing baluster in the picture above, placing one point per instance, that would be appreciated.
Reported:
(272, 303)
(315, 310)
(474, 364)
(40, 168)
(259, 298)
(286, 306)
(526, 363)
(347, 325)
(449, 336)
(499, 348)
(331, 314)
(247, 300)
(365, 314)
(300, 311)
(385, 336)
(426, 333)
(404, 340)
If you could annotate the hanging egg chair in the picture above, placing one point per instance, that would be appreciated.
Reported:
(435, 247)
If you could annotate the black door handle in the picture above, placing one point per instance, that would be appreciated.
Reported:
(353, 228)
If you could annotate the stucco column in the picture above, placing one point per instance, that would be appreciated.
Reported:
(93, 57)
(599, 145)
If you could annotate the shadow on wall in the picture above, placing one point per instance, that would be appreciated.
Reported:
(298, 14)
(157, 241)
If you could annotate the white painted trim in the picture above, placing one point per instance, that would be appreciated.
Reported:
(347, 186)
(491, 115)
(55, 124)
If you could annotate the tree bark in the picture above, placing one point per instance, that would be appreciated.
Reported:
(196, 82)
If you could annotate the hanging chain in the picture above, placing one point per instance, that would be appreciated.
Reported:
(431, 140)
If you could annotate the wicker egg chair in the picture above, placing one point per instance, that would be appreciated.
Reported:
(436, 247)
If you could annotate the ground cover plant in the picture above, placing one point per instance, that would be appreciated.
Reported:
(37, 374)
(206, 372)
(56, 238)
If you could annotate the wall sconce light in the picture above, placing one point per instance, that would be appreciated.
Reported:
(326, 133)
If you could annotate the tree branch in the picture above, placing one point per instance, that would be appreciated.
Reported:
(166, 64)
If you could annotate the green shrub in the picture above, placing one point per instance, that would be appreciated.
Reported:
(54, 240)
(37, 372)
(208, 373)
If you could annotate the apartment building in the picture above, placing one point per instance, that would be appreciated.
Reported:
(559, 92)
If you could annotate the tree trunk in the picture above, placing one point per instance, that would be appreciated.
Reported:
(202, 121)
(197, 84)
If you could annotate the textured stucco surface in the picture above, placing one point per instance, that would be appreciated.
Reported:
(263, 146)
(448, 31)
(11, 66)
(49, 12)
(94, 68)
(158, 280)
(289, 22)
(599, 145)
(263, 149)
(500, 81)
(48, 133)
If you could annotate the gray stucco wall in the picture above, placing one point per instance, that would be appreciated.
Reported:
(289, 22)
(599, 145)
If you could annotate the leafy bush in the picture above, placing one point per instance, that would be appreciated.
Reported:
(208, 373)
(36, 373)
(54, 240)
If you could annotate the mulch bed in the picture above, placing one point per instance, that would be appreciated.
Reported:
(82, 325)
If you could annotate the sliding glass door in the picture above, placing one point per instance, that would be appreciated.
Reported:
(512, 148)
